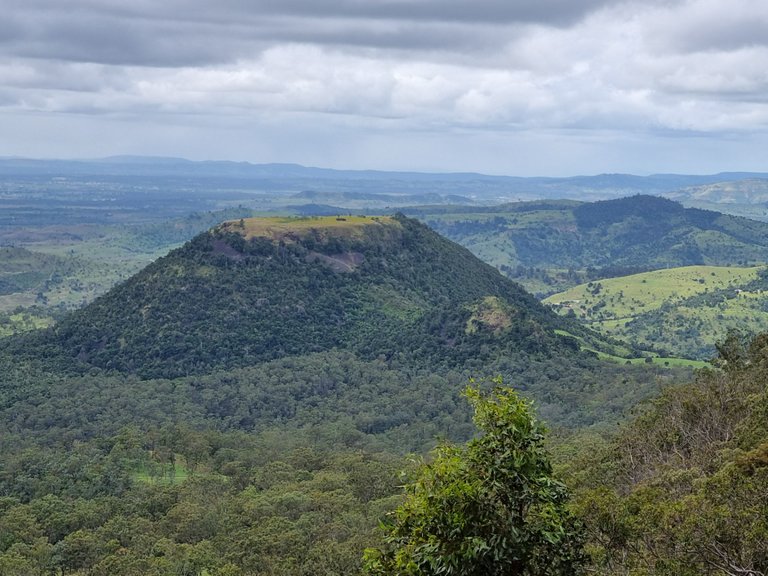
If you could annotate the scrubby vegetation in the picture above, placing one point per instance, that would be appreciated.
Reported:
(681, 489)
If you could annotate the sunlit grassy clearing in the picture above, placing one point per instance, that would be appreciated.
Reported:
(276, 228)
(630, 295)
(162, 473)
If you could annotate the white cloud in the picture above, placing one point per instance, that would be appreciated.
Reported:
(447, 71)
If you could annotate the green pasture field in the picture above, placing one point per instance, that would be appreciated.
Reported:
(616, 299)
(678, 311)
(278, 228)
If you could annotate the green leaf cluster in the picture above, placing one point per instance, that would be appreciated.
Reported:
(492, 507)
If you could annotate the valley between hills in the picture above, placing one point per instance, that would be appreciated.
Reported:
(228, 378)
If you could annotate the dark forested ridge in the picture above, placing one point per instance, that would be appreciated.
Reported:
(553, 244)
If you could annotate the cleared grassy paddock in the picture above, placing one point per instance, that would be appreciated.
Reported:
(682, 311)
(629, 296)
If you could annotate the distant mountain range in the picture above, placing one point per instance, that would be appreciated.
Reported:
(445, 187)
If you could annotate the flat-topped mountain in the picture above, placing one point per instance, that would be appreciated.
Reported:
(253, 290)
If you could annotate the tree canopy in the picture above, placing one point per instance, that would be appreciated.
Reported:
(490, 508)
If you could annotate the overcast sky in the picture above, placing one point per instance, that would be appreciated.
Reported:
(519, 87)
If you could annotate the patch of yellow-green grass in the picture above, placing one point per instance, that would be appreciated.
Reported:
(492, 313)
(667, 361)
(621, 355)
(156, 473)
(655, 360)
(611, 351)
(280, 228)
(681, 362)
(613, 325)
(23, 322)
(629, 296)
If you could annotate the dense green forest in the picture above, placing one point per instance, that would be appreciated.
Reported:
(87, 489)
(246, 406)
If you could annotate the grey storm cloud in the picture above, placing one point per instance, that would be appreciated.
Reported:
(183, 33)
(721, 30)
(553, 12)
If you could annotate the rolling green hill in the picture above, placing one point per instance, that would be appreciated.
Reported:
(680, 311)
(549, 246)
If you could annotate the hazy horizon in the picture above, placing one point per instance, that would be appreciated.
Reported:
(127, 158)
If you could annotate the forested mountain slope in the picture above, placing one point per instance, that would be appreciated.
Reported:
(385, 299)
